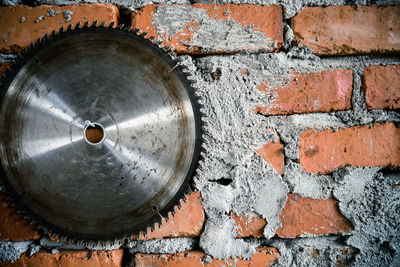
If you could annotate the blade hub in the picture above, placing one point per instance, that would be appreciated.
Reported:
(94, 133)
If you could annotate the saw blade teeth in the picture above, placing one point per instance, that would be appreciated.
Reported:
(120, 26)
(184, 199)
(78, 25)
(53, 33)
(111, 25)
(62, 29)
(102, 24)
(69, 28)
(157, 41)
(3, 77)
(191, 79)
(171, 53)
(143, 34)
(55, 236)
(136, 31)
(172, 212)
(46, 37)
(185, 70)
(128, 28)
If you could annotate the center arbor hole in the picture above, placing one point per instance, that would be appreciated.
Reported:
(94, 134)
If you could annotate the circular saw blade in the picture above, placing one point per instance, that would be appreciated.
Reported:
(99, 133)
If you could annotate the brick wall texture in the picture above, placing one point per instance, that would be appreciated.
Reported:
(352, 32)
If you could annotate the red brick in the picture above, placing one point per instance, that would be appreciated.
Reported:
(324, 91)
(264, 19)
(4, 66)
(12, 225)
(249, 227)
(111, 258)
(273, 154)
(361, 146)
(305, 216)
(16, 34)
(382, 87)
(265, 256)
(300, 216)
(187, 222)
(344, 30)
(3, 70)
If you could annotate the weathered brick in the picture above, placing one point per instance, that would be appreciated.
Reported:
(273, 154)
(12, 224)
(361, 146)
(324, 91)
(265, 256)
(23, 24)
(303, 216)
(3, 70)
(112, 258)
(381, 85)
(3, 67)
(187, 222)
(343, 30)
(249, 226)
(213, 28)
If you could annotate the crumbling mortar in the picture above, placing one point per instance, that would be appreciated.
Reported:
(241, 196)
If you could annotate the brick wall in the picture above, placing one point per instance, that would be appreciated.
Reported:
(302, 144)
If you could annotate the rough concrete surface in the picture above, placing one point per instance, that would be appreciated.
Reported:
(232, 132)
(210, 34)
(307, 184)
(369, 201)
(11, 251)
(168, 245)
(315, 251)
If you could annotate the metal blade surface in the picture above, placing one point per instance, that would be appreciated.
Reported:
(151, 134)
